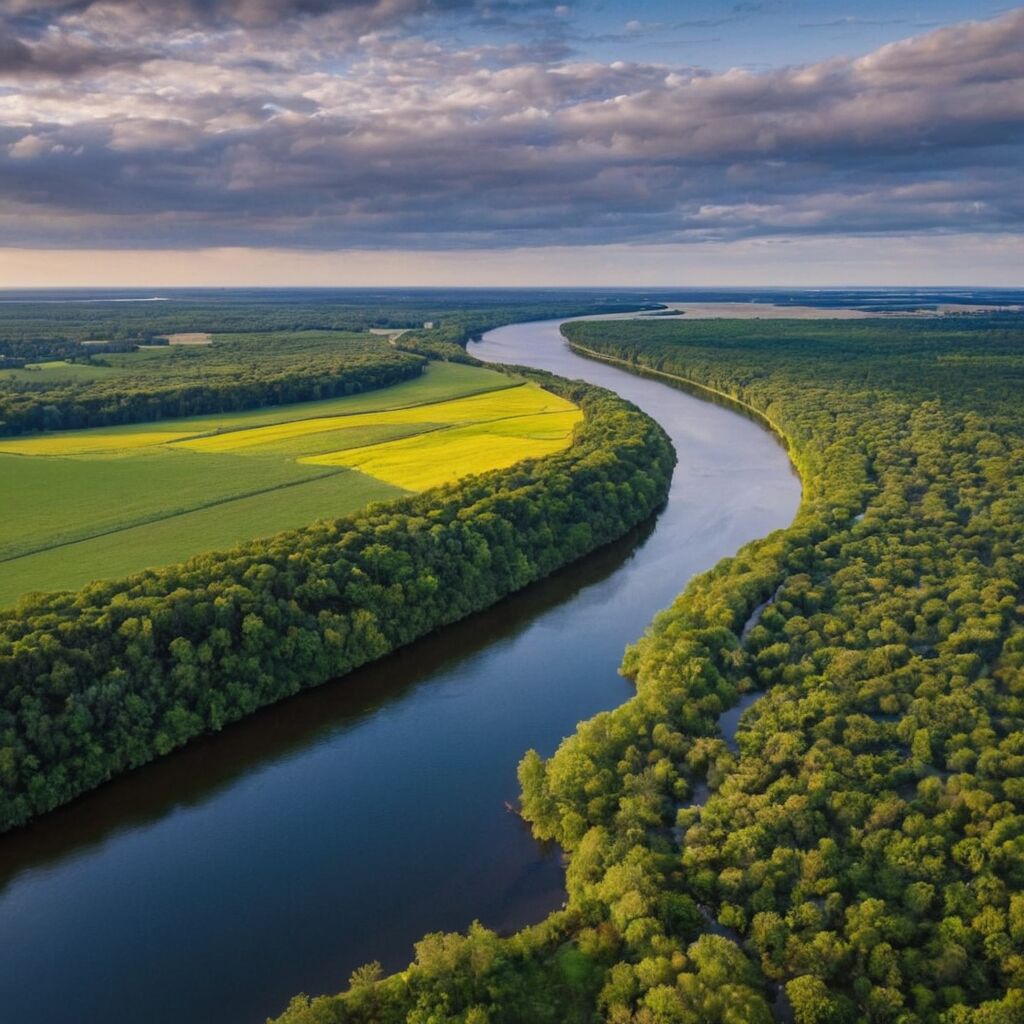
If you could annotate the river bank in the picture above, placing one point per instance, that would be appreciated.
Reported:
(344, 824)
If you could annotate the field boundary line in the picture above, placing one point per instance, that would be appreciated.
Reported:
(183, 512)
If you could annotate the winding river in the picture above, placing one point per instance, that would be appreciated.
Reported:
(343, 824)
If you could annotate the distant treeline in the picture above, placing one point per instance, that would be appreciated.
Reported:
(240, 372)
(266, 353)
(47, 325)
(96, 682)
(18, 352)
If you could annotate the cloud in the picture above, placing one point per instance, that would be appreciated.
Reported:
(240, 133)
(60, 58)
(28, 147)
(361, 15)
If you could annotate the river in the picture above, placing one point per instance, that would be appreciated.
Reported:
(343, 824)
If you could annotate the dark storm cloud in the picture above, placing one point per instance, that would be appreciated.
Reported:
(365, 14)
(19, 57)
(246, 135)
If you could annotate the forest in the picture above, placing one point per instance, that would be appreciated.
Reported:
(101, 680)
(36, 326)
(236, 372)
(860, 856)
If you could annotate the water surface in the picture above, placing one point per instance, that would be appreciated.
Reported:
(342, 825)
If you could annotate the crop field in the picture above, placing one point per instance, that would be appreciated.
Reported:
(52, 501)
(441, 381)
(106, 502)
(214, 527)
(442, 455)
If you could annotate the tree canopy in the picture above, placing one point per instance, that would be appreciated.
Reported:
(861, 854)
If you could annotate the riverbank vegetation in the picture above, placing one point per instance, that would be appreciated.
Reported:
(101, 680)
(861, 854)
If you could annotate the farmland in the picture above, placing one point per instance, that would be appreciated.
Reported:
(107, 502)
(93, 387)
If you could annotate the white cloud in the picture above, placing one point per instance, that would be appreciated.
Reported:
(28, 147)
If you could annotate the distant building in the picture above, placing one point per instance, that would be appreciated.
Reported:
(428, 325)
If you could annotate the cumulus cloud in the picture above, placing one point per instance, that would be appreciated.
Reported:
(28, 147)
(332, 124)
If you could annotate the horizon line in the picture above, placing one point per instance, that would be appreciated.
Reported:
(511, 288)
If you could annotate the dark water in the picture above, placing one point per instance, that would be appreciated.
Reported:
(342, 825)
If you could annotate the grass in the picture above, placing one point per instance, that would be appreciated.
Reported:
(53, 501)
(218, 527)
(103, 503)
(91, 442)
(58, 371)
(440, 382)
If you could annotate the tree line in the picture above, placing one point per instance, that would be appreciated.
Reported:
(236, 372)
(269, 350)
(16, 353)
(72, 320)
(103, 680)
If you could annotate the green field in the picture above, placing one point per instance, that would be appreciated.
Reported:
(440, 381)
(173, 539)
(97, 495)
(106, 502)
(56, 371)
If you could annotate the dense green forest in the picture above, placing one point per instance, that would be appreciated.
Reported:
(101, 680)
(861, 855)
(265, 352)
(235, 372)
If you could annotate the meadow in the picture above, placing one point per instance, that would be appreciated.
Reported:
(57, 371)
(107, 502)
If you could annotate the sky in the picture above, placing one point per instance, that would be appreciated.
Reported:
(511, 142)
